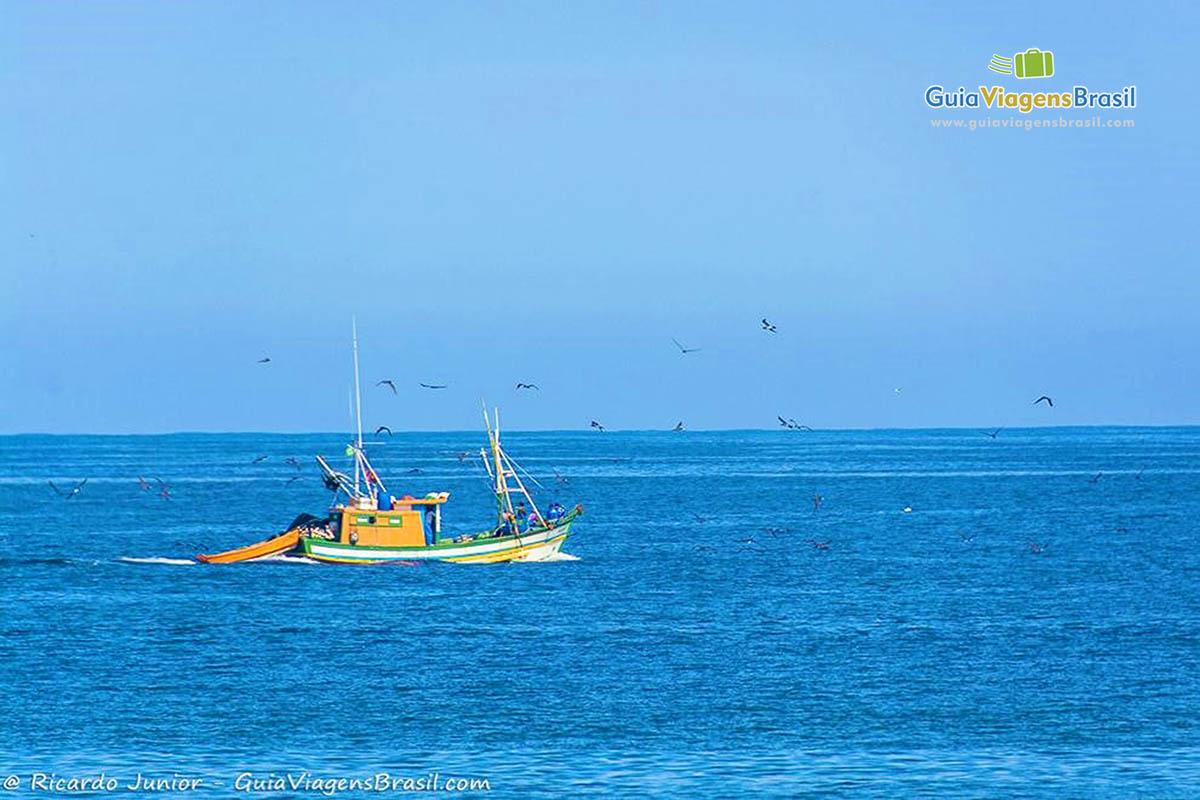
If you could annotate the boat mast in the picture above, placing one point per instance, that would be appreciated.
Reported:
(357, 406)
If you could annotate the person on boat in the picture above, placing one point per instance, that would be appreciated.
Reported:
(430, 529)
(533, 520)
(520, 511)
(507, 526)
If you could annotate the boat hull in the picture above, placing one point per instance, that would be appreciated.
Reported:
(533, 545)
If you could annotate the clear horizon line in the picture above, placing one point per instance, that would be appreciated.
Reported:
(609, 430)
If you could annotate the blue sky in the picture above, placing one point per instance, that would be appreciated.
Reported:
(549, 192)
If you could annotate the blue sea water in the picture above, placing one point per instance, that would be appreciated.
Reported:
(930, 652)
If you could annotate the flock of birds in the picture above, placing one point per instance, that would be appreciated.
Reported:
(163, 489)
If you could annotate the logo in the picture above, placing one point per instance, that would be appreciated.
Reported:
(1033, 63)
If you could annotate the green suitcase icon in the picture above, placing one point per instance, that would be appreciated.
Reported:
(1034, 63)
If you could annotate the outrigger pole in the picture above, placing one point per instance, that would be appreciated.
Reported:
(505, 468)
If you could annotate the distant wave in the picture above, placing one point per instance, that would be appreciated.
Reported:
(131, 560)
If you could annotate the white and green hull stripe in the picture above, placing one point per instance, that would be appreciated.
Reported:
(532, 545)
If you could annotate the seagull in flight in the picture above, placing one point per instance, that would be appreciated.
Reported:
(292, 462)
(264, 360)
(527, 386)
(1036, 548)
(260, 459)
(389, 384)
(71, 492)
(597, 426)
(992, 434)
(678, 427)
(768, 326)
(684, 350)
(383, 428)
(1095, 478)
(1049, 402)
(964, 538)
(143, 484)
(434, 385)
(818, 545)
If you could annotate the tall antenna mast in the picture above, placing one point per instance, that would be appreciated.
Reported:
(357, 404)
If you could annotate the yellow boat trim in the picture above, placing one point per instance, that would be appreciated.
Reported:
(507, 555)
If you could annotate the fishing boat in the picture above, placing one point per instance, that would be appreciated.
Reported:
(367, 524)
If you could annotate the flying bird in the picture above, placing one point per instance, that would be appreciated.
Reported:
(70, 493)
(817, 500)
(291, 479)
(1095, 478)
(292, 462)
(597, 425)
(964, 538)
(165, 493)
(818, 545)
(699, 519)
(415, 471)
(434, 385)
(783, 421)
(1046, 398)
(527, 386)
(264, 360)
(389, 384)
(1036, 548)
(684, 350)
(558, 476)
(678, 427)
(383, 428)
(992, 434)
(260, 459)
(143, 484)
(768, 326)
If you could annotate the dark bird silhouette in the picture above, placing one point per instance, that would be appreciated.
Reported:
(993, 434)
(774, 532)
(597, 425)
(791, 424)
(292, 462)
(291, 480)
(70, 492)
(558, 476)
(817, 500)
(818, 545)
(260, 459)
(162, 484)
(1036, 548)
(699, 519)
(462, 456)
(143, 484)
(164, 493)
(962, 537)
(678, 427)
(1095, 478)
(383, 428)
(389, 384)
(434, 385)
(264, 360)
(527, 386)
(415, 471)
(783, 422)
(684, 350)
(1141, 472)
(768, 326)
(1046, 398)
